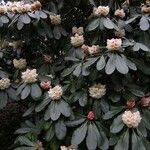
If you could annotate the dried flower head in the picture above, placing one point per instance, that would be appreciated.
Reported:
(76, 30)
(4, 83)
(19, 64)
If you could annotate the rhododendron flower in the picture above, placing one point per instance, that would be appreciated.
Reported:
(55, 19)
(131, 118)
(29, 76)
(77, 40)
(101, 11)
(114, 44)
(97, 91)
(55, 93)
(120, 13)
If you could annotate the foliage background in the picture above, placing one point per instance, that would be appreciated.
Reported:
(36, 39)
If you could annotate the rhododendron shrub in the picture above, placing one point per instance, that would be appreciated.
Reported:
(83, 69)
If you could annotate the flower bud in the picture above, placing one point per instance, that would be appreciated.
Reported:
(120, 33)
(131, 103)
(90, 116)
(145, 101)
(45, 85)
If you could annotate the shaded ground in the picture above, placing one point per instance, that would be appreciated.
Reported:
(10, 119)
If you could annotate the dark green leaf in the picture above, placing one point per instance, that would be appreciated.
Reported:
(100, 63)
(64, 108)
(56, 33)
(93, 24)
(144, 24)
(25, 92)
(60, 129)
(123, 143)
(3, 99)
(79, 134)
(91, 139)
(25, 141)
(117, 125)
(42, 105)
(35, 91)
(108, 23)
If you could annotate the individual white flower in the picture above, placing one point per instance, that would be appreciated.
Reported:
(76, 30)
(19, 64)
(77, 40)
(97, 91)
(93, 49)
(4, 83)
(55, 93)
(131, 118)
(29, 76)
(101, 11)
(55, 19)
(114, 44)
(120, 13)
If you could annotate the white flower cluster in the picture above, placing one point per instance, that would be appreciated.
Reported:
(29, 76)
(20, 64)
(101, 11)
(55, 19)
(90, 49)
(120, 13)
(97, 91)
(131, 119)
(4, 83)
(114, 44)
(76, 30)
(77, 40)
(55, 93)
(19, 7)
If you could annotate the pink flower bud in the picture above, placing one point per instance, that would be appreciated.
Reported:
(145, 101)
(46, 85)
(90, 116)
(131, 103)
